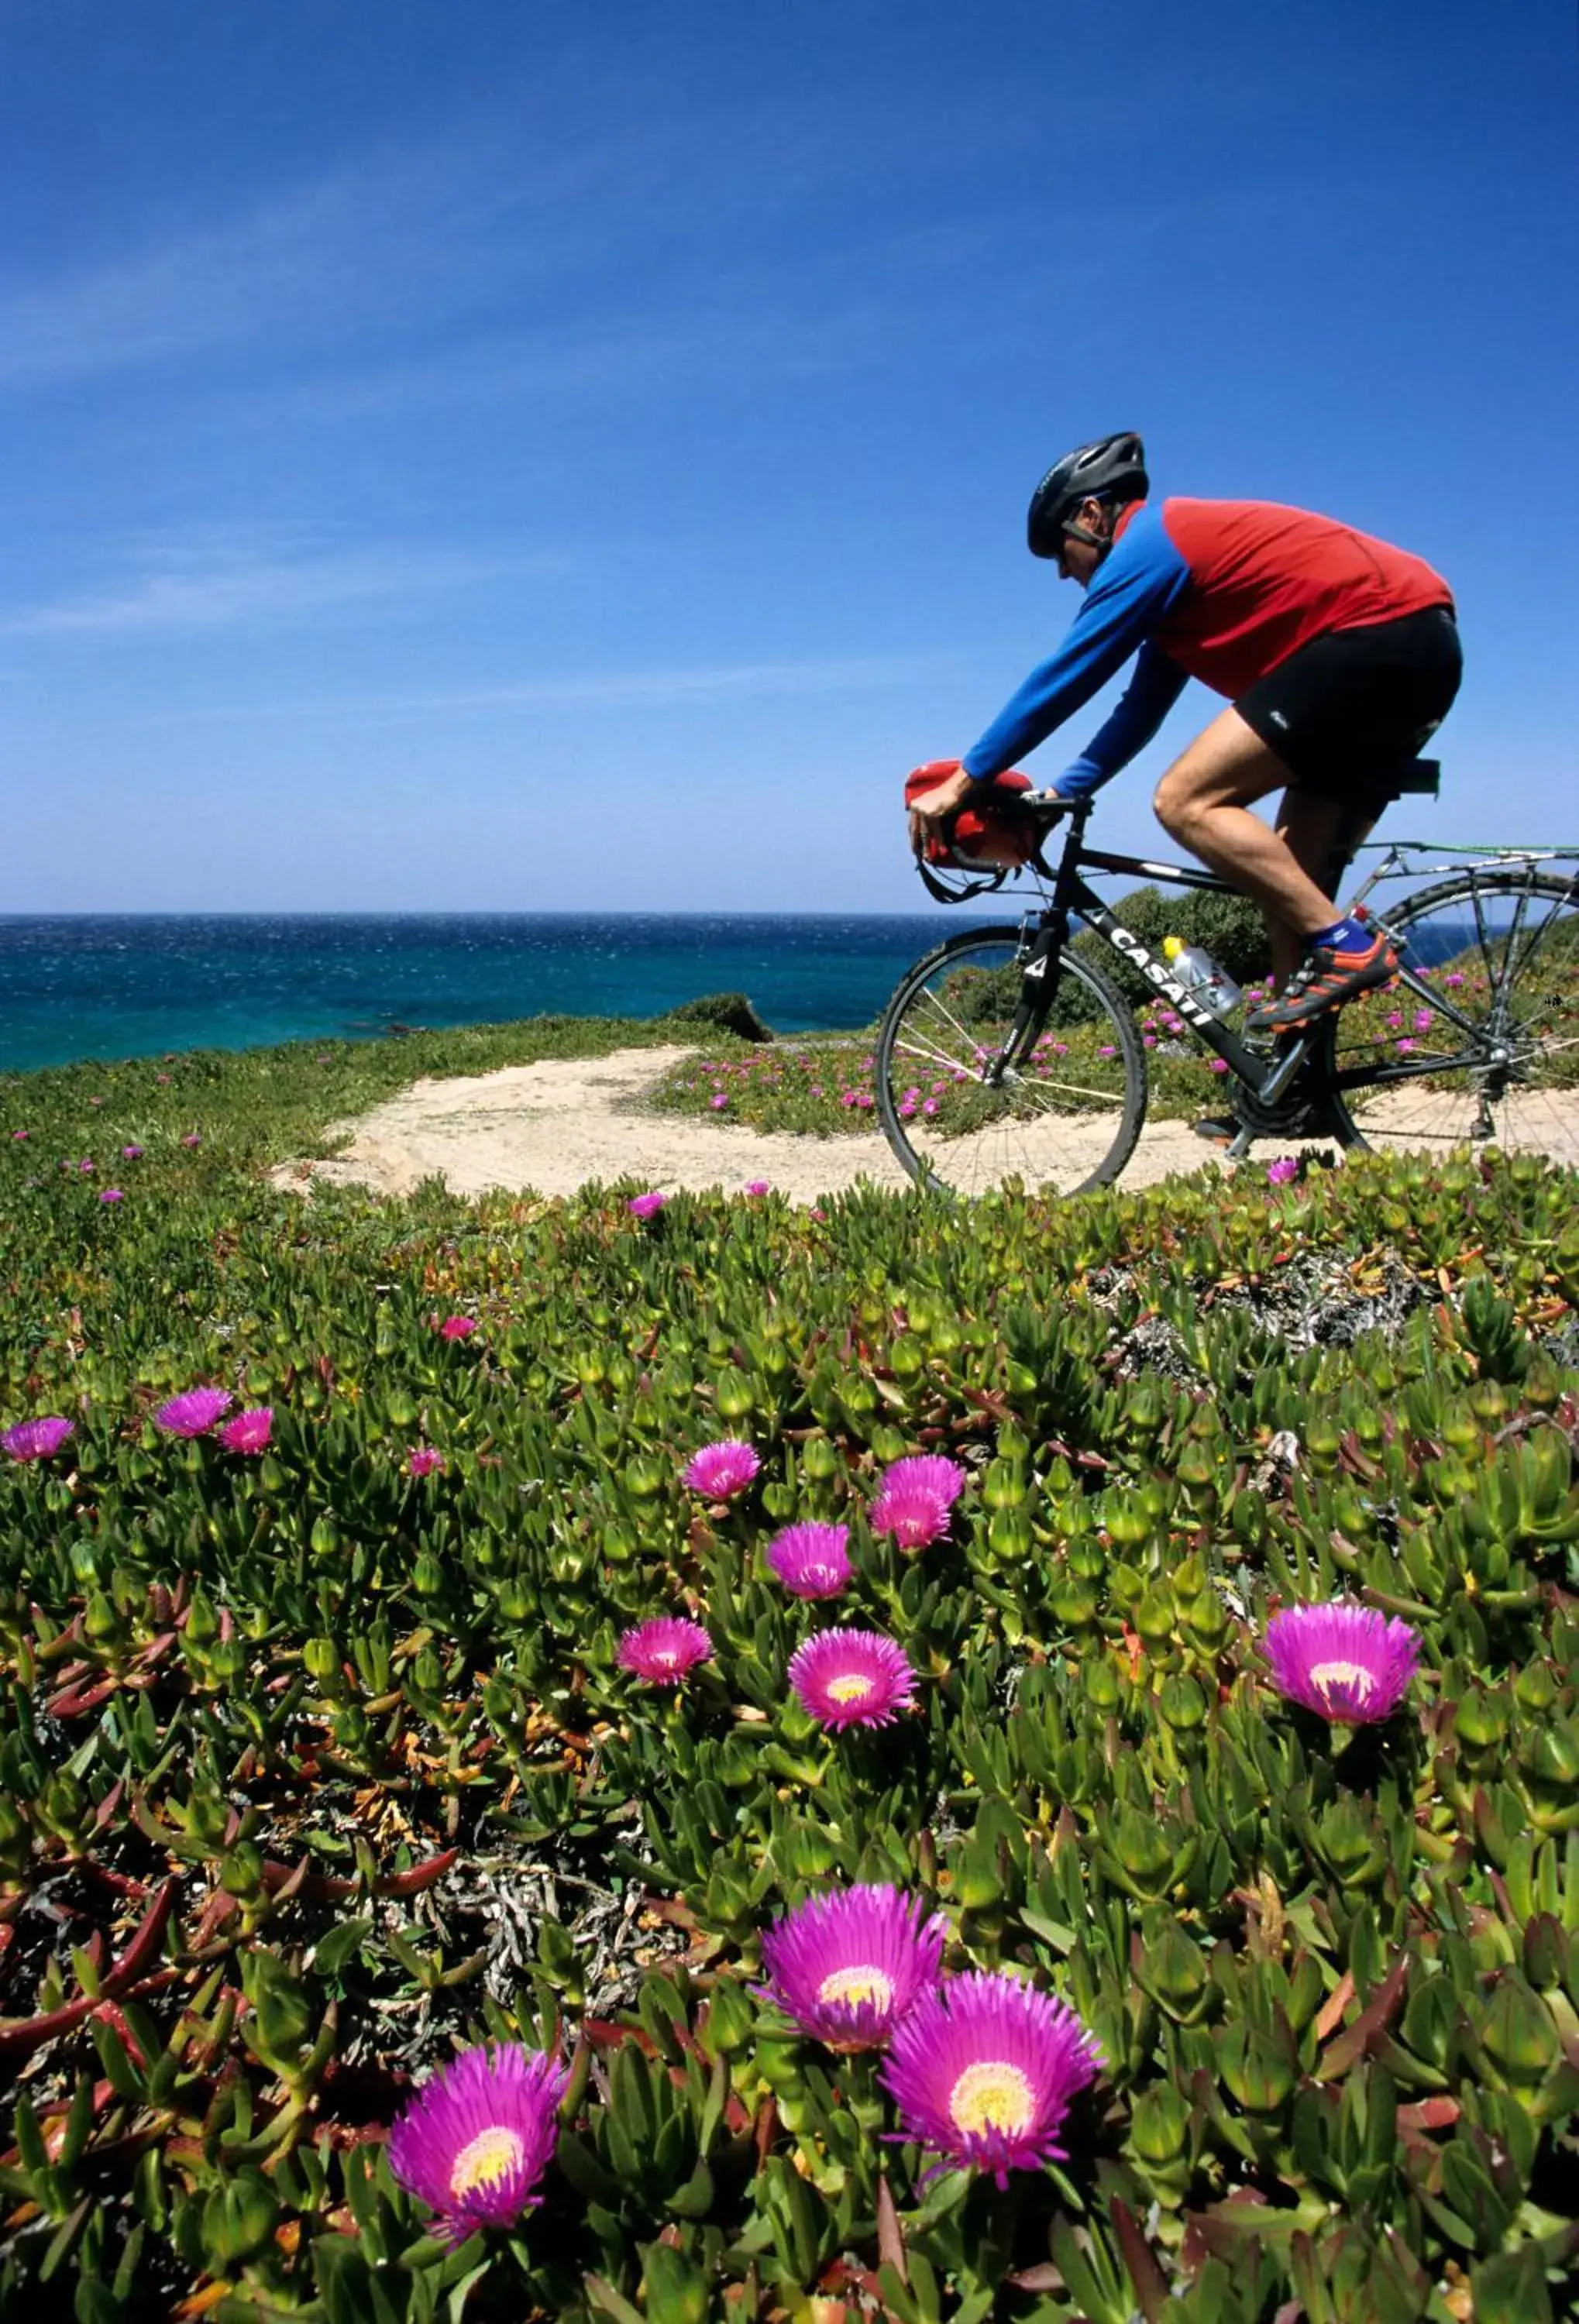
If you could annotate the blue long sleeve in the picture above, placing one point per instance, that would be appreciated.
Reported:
(1139, 711)
(1140, 581)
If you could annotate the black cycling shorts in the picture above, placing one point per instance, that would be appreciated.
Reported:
(1347, 710)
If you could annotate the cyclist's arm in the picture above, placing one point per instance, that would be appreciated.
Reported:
(1142, 580)
(1145, 702)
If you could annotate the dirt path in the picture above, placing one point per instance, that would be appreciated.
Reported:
(555, 1125)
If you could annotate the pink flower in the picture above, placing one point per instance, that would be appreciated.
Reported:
(423, 1460)
(721, 1469)
(848, 1966)
(1283, 1171)
(249, 1431)
(648, 1206)
(191, 1139)
(1347, 1663)
(983, 2070)
(162, 1077)
(757, 1186)
(1404, 1045)
(721, 1100)
(193, 1413)
(37, 1440)
(131, 1153)
(1219, 1064)
(664, 1650)
(810, 1559)
(852, 1678)
(19, 1133)
(86, 1167)
(478, 2137)
(915, 1499)
(111, 1194)
(457, 1327)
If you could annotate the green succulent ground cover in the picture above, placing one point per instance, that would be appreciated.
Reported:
(312, 1771)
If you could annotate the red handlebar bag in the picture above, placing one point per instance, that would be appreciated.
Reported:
(984, 831)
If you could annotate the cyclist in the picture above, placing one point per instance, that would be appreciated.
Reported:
(1339, 655)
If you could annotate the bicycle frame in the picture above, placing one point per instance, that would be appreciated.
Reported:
(1073, 898)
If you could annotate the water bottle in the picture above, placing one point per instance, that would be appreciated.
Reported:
(1200, 975)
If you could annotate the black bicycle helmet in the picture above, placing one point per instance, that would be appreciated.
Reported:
(1113, 467)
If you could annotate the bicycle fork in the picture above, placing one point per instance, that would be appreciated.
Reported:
(1038, 980)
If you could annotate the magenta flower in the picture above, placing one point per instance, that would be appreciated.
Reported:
(926, 1473)
(662, 1651)
(757, 1186)
(131, 1153)
(18, 1134)
(848, 1966)
(191, 1139)
(193, 1413)
(983, 2070)
(810, 1559)
(86, 1167)
(1281, 1172)
(852, 1678)
(423, 1459)
(478, 2137)
(721, 1469)
(721, 1098)
(249, 1430)
(111, 1194)
(1346, 1663)
(37, 1440)
(1219, 1064)
(457, 1327)
(648, 1206)
(916, 1517)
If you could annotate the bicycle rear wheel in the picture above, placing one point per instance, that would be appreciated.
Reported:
(964, 1116)
(1480, 1041)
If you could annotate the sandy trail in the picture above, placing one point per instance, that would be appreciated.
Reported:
(555, 1125)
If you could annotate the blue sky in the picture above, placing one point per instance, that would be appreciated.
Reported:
(465, 454)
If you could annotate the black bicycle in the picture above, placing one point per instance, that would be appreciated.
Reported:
(1009, 1054)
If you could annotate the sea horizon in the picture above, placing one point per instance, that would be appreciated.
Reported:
(79, 986)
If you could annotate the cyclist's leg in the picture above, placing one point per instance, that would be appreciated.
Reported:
(1321, 834)
(1205, 800)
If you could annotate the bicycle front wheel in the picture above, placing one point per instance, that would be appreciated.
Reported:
(964, 1114)
(1479, 1044)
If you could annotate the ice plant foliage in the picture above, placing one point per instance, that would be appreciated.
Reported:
(983, 2070)
(37, 1440)
(810, 1559)
(193, 1413)
(852, 1678)
(1346, 1663)
(249, 1431)
(478, 2136)
(722, 1470)
(664, 1650)
(848, 1966)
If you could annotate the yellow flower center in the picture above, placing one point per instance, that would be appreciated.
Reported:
(1325, 1676)
(991, 2094)
(492, 2155)
(857, 1983)
(851, 1688)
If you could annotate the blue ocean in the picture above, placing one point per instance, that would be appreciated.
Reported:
(123, 986)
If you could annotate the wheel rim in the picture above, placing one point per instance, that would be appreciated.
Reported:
(962, 1121)
(1490, 1005)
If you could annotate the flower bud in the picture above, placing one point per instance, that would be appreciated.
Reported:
(1182, 1703)
(1518, 2033)
(1159, 2128)
(1256, 2069)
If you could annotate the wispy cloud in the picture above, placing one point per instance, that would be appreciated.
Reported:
(212, 584)
(676, 686)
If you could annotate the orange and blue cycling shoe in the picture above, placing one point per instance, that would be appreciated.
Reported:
(1328, 977)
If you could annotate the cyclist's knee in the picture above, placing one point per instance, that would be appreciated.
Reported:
(1175, 806)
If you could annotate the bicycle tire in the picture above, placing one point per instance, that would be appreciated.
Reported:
(977, 1137)
(1502, 1054)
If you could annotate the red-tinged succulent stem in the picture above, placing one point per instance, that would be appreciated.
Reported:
(20, 2040)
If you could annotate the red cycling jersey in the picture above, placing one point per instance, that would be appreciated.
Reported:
(1264, 580)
